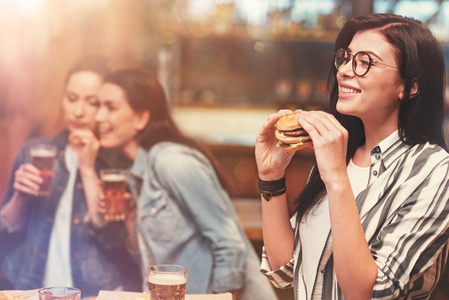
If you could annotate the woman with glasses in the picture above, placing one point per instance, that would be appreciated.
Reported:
(372, 221)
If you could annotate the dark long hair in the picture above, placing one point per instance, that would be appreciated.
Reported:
(420, 58)
(144, 93)
(94, 63)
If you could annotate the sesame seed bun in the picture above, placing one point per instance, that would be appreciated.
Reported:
(291, 135)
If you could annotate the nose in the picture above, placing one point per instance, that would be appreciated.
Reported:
(100, 115)
(79, 109)
(346, 70)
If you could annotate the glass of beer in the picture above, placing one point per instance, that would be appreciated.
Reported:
(114, 189)
(167, 282)
(59, 293)
(42, 156)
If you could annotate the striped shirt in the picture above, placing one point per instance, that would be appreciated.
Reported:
(404, 212)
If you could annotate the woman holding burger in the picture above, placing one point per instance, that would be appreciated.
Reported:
(183, 213)
(372, 221)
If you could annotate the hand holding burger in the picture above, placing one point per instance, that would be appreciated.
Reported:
(291, 136)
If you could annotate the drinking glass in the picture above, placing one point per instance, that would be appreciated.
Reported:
(42, 156)
(114, 189)
(59, 293)
(167, 282)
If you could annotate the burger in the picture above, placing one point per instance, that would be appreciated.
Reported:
(291, 136)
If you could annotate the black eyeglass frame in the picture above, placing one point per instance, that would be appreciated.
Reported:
(354, 64)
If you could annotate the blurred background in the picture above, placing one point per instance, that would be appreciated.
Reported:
(224, 63)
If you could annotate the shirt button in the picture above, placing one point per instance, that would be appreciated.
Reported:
(77, 255)
(377, 156)
(375, 173)
(43, 255)
(79, 186)
(76, 220)
(153, 210)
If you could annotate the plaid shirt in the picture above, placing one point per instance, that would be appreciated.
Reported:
(404, 212)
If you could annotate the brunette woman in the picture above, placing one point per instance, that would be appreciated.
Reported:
(184, 214)
(372, 221)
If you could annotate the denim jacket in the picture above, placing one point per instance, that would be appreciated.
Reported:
(184, 217)
(92, 249)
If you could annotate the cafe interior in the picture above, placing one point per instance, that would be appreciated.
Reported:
(224, 64)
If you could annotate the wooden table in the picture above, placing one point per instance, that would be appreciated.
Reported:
(119, 295)
(116, 295)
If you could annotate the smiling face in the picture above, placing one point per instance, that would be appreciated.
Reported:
(118, 124)
(80, 102)
(374, 97)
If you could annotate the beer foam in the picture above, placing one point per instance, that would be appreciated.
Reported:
(113, 177)
(167, 279)
(42, 152)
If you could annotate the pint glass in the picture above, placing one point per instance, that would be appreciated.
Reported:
(59, 293)
(167, 282)
(43, 157)
(114, 188)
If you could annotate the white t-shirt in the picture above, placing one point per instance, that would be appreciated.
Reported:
(58, 270)
(316, 227)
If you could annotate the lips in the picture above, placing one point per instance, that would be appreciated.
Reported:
(102, 132)
(349, 90)
(77, 124)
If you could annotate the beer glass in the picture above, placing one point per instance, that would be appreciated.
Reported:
(167, 282)
(114, 188)
(42, 156)
(59, 293)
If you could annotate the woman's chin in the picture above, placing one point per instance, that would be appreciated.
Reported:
(108, 144)
(344, 108)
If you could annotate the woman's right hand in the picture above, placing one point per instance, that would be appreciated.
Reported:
(85, 144)
(27, 179)
(271, 160)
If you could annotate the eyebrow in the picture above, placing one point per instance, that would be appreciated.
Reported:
(108, 102)
(369, 52)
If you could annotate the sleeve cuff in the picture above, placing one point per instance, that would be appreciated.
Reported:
(282, 277)
(227, 280)
(5, 226)
(95, 222)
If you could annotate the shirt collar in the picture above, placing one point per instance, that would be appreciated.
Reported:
(388, 151)
(389, 141)
(138, 167)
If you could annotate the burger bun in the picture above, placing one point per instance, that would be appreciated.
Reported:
(291, 136)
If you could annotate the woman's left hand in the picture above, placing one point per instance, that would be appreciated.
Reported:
(86, 145)
(330, 140)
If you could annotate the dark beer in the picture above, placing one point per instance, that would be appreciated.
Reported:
(43, 158)
(167, 287)
(114, 188)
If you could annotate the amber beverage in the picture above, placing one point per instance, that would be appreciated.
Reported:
(167, 282)
(43, 157)
(114, 189)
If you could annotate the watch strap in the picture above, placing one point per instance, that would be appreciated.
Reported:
(268, 189)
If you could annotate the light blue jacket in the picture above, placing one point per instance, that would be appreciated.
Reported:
(185, 217)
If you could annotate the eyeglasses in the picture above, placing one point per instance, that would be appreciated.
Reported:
(361, 61)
